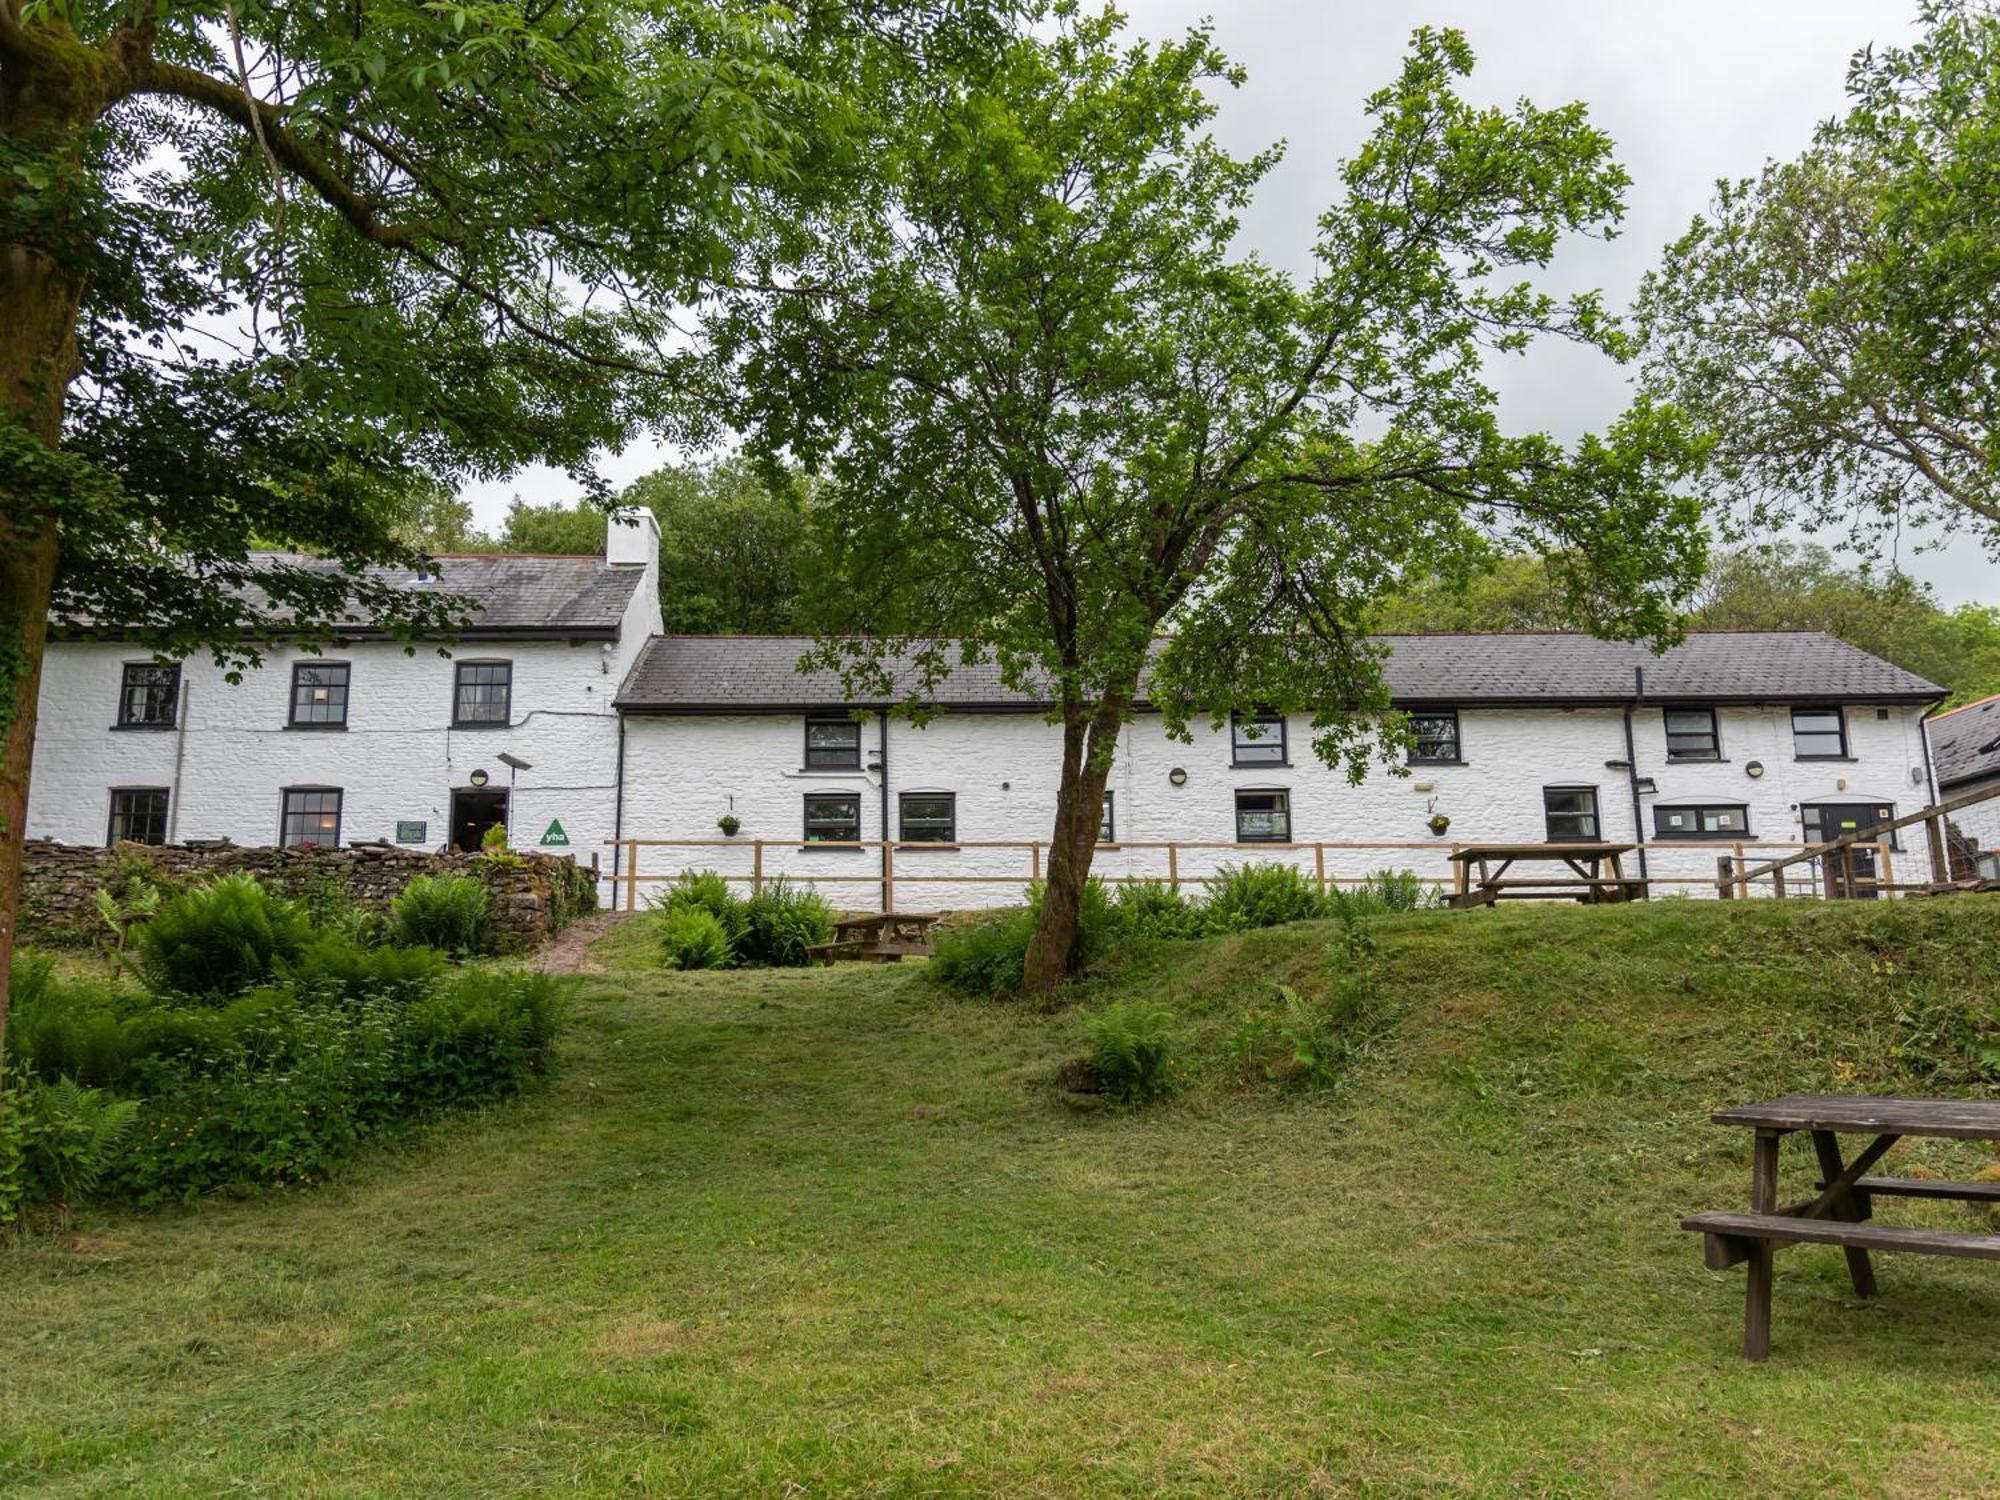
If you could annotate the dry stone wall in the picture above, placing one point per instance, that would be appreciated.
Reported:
(534, 896)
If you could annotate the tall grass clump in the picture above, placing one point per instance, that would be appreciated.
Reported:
(449, 912)
(1241, 897)
(1384, 892)
(1130, 1046)
(221, 938)
(780, 923)
(988, 957)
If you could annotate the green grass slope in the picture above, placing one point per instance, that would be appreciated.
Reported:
(834, 1232)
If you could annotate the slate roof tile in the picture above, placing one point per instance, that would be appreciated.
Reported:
(1965, 743)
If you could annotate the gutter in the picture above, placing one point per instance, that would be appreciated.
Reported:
(618, 815)
(180, 760)
(882, 723)
(1632, 773)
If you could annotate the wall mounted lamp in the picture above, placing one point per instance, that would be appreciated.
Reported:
(1178, 776)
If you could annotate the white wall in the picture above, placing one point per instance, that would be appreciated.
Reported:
(1980, 822)
(682, 773)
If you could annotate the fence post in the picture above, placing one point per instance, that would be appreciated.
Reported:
(1725, 877)
(631, 874)
(1742, 885)
(1888, 868)
(1778, 884)
(1174, 867)
(756, 867)
(1319, 866)
(1940, 857)
(1035, 860)
(888, 877)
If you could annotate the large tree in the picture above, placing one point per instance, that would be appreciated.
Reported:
(1070, 428)
(1832, 322)
(264, 269)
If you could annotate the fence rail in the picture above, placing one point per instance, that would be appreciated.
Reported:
(1842, 872)
(1170, 869)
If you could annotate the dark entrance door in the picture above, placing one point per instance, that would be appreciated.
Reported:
(1821, 821)
(472, 813)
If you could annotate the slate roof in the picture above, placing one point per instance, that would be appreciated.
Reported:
(513, 594)
(718, 673)
(1965, 743)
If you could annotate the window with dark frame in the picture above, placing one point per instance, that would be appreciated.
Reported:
(1436, 736)
(311, 816)
(483, 693)
(1257, 740)
(149, 695)
(138, 815)
(833, 818)
(833, 745)
(928, 817)
(1570, 813)
(1819, 734)
(1691, 734)
(319, 695)
(1263, 817)
(1107, 826)
(1707, 820)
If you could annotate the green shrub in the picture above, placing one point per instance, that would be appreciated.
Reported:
(332, 966)
(693, 937)
(780, 923)
(984, 957)
(1152, 908)
(1130, 1044)
(221, 938)
(1241, 897)
(447, 912)
(1384, 891)
(710, 892)
(329, 905)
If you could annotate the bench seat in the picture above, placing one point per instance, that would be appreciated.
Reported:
(1789, 1229)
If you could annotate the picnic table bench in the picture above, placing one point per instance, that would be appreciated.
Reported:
(1596, 874)
(880, 937)
(1843, 1200)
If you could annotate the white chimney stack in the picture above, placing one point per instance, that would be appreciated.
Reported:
(632, 539)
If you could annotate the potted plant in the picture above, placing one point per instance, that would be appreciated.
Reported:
(729, 823)
(1438, 824)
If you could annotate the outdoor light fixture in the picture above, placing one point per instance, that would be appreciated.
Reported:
(515, 762)
(1754, 770)
(477, 778)
(1177, 776)
(1645, 785)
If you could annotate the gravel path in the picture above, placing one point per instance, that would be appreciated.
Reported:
(570, 952)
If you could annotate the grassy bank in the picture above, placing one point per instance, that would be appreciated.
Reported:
(834, 1232)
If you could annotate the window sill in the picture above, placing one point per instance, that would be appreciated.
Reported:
(318, 728)
(1260, 765)
(144, 728)
(1698, 760)
(831, 846)
(1703, 838)
(483, 724)
(901, 844)
(1284, 843)
(1414, 762)
(1838, 760)
(853, 770)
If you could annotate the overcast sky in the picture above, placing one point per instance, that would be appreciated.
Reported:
(1690, 90)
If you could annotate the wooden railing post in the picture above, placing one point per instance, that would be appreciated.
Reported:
(631, 874)
(1174, 867)
(1035, 861)
(1886, 867)
(756, 867)
(888, 876)
(1742, 885)
(1725, 877)
(1778, 884)
(1940, 855)
(1319, 866)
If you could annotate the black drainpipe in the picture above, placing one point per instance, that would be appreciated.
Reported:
(618, 815)
(882, 722)
(1632, 772)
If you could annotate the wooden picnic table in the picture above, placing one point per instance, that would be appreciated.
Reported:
(880, 937)
(1843, 1199)
(1596, 874)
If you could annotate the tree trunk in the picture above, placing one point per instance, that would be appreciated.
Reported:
(1055, 952)
(38, 359)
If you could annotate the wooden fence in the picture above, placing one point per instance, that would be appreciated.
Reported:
(1842, 872)
(1167, 862)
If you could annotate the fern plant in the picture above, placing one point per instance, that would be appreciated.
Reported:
(446, 912)
(77, 1135)
(221, 938)
(1130, 1044)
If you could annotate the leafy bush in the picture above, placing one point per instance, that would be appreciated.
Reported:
(693, 937)
(1152, 908)
(1241, 897)
(332, 966)
(984, 957)
(494, 840)
(329, 905)
(1384, 891)
(710, 892)
(448, 912)
(56, 1142)
(780, 923)
(1130, 1044)
(221, 938)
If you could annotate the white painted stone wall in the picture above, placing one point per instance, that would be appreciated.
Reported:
(231, 752)
(683, 773)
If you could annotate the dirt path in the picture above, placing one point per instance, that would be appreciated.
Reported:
(570, 952)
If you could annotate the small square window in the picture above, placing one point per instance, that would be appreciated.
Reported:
(833, 745)
(929, 817)
(483, 693)
(1570, 813)
(1257, 740)
(138, 815)
(1436, 738)
(1691, 734)
(149, 695)
(1819, 734)
(1263, 817)
(319, 695)
(1107, 826)
(312, 816)
(833, 818)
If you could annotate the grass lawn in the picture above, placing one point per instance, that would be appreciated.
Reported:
(834, 1232)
